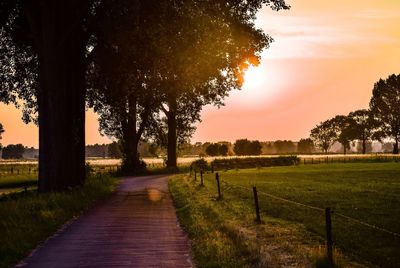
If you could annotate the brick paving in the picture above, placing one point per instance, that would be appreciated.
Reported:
(136, 227)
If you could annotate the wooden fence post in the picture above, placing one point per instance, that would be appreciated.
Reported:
(256, 204)
(201, 178)
(218, 185)
(329, 242)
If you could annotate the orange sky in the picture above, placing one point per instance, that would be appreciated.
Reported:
(324, 61)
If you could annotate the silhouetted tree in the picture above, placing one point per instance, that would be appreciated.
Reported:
(305, 146)
(324, 135)
(48, 39)
(223, 149)
(13, 151)
(362, 127)
(96, 150)
(213, 149)
(385, 107)
(114, 150)
(1, 133)
(342, 126)
(284, 146)
(246, 147)
(121, 72)
(196, 73)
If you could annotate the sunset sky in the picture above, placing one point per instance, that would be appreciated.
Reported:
(324, 61)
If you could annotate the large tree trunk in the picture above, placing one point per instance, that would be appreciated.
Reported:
(172, 138)
(396, 146)
(364, 146)
(61, 97)
(131, 163)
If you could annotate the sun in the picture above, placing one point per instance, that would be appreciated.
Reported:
(254, 77)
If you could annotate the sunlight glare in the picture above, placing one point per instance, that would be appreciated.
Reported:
(254, 76)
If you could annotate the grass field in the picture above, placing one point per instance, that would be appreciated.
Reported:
(368, 192)
(28, 218)
(14, 177)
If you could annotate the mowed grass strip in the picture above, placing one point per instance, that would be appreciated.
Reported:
(26, 219)
(369, 192)
(224, 232)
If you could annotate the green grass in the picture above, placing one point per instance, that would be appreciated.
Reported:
(17, 181)
(29, 218)
(25, 175)
(369, 192)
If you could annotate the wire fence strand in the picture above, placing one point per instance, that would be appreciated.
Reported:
(317, 209)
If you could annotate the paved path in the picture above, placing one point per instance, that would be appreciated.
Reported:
(136, 227)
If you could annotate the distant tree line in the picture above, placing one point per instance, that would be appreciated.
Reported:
(223, 148)
(381, 122)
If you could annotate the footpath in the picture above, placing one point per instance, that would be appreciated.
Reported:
(135, 227)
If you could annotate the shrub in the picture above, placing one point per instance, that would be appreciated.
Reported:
(200, 164)
(253, 162)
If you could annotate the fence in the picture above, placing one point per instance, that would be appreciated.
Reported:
(332, 159)
(361, 233)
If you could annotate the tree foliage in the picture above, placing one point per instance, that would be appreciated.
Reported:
(284, 146)
(385, 107)
(212, 149)
(246, 147)
(362, 127)
(1, 133)
(324, 135)
(13, 151)
(342, 126)
(306, 146)
(215, 149)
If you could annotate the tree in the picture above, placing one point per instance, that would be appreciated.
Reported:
(196, 73)
(96, 150)
(114, 150)
(52, 38)
(255, 148)
(1, 133)
(284, 146)
(246, 147)
(385, 107)
(213, 149)
(305, 146)
(240, 147)
(120, 74)
(223, 149)
(13, 151)
(342, 126)
(362, 127)
(324, 135)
